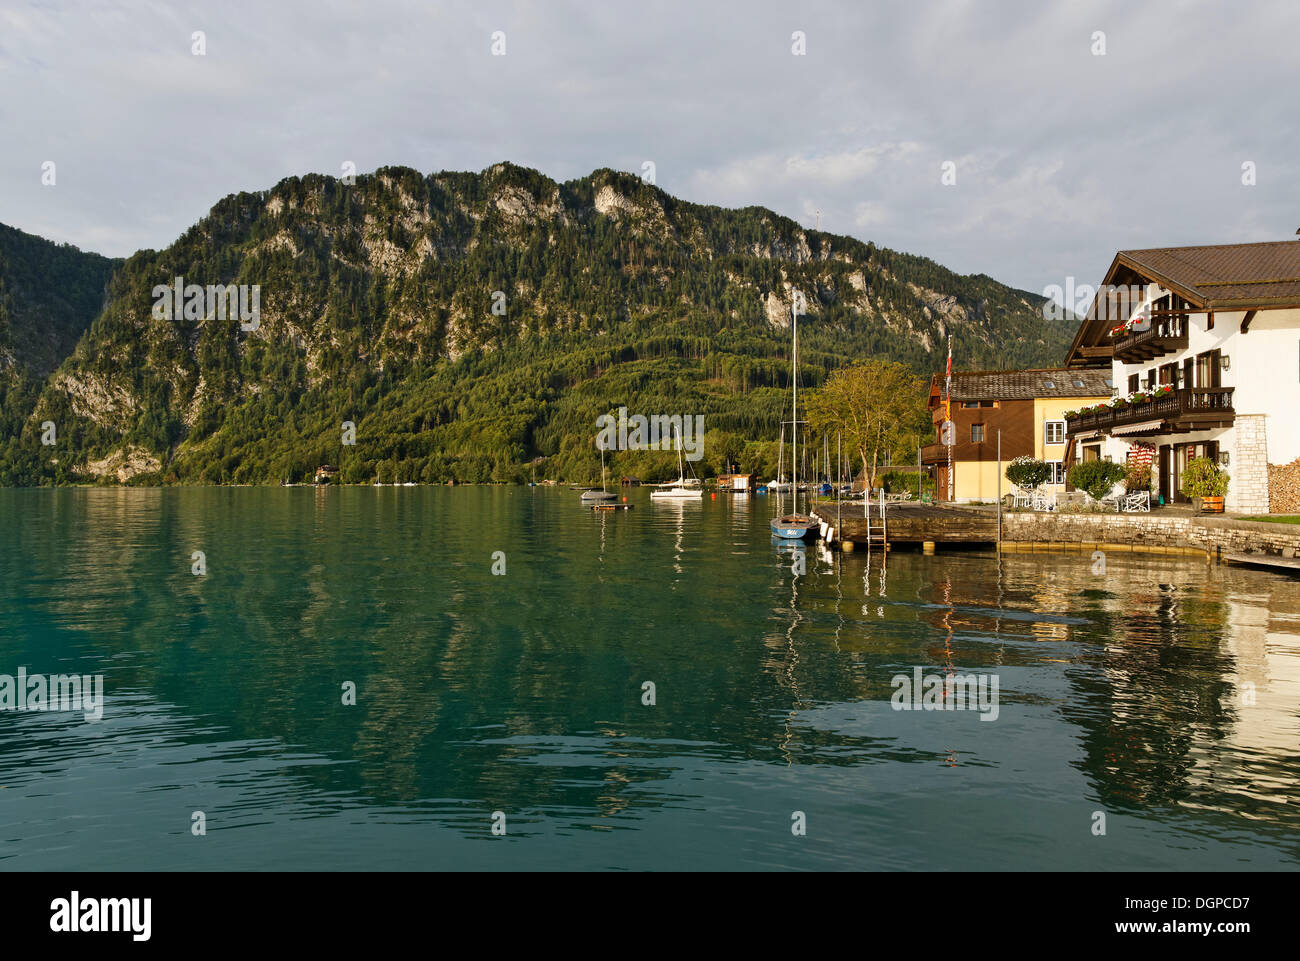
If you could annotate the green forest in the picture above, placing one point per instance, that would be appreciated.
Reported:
(377, 308)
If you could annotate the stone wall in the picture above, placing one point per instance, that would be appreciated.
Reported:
(1153, 532)
(1248, 489)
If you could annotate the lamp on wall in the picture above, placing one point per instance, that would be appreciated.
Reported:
(1225, 362)
(1223, 458)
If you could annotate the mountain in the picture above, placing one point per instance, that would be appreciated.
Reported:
(49, 294)
(470, 325)
(52, 293)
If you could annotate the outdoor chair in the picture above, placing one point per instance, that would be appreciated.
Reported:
(1137, 501)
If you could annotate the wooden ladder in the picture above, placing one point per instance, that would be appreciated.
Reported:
(877, 533)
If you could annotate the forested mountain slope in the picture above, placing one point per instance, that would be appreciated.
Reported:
(377, 307)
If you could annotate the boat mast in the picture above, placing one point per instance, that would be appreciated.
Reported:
(794, 420)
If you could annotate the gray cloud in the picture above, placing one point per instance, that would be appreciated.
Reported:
(1062, 156)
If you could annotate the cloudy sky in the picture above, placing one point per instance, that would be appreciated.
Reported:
(1061, 156)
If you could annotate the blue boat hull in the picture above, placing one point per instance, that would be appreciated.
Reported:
(792, 531)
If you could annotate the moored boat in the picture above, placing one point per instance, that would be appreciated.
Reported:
(792, 526)
(680, 489)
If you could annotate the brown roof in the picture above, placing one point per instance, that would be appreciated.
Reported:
(1214, 277)
(1026, 384)
(1225, 276)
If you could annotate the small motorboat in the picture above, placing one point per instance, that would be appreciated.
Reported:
(793, 527)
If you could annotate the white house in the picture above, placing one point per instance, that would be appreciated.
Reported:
(1204, 348)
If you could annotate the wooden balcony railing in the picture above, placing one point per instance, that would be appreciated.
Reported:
(1167, 334)
(934, 453)
(1185, 409)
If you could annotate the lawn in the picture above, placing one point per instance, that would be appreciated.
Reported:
(1275, 519)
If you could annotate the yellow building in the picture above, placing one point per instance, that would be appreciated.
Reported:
(1026, 408)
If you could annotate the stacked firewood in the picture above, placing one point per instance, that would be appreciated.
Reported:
(1284, 488)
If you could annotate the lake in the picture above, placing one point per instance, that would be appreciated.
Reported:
(1159, 699)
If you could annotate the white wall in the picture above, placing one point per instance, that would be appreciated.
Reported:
(1264, 372)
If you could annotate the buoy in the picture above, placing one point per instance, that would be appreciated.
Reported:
(927, 547)
(713, 496)
(624, 498)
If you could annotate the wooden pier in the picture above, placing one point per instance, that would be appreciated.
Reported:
(907, 523)
(1290, 565)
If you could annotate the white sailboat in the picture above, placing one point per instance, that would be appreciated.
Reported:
(680, 489)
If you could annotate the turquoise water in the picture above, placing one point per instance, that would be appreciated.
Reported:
(522, 693)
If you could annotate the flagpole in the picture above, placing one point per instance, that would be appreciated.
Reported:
(952, 436)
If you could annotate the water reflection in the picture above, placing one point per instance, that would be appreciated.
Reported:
(1165, 690)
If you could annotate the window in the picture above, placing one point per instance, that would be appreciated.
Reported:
(970, 403)
(1050, 384)
(1092, 452)
(1077, 382)
(1054, 432)
(1132, 383)
(977, 433)
(1056, 473)
(1209, 321)
(1207, 369)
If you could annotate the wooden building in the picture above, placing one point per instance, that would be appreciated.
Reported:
(1026, 406)
(736, 483)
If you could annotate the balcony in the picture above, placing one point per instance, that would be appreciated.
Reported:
(1166, 335)
(1184, 410)
(934, 454)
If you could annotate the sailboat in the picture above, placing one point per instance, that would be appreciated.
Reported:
(678, 489)
(601, 496)
(793, 526)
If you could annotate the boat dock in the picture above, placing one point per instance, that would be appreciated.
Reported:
(906, 523)
(1290, 565)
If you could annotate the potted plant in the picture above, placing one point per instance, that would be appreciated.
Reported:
(1206, 484)
(1164, 390)
(1119, 403)
(1139, 398)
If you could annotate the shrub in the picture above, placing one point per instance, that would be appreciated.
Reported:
(897, 482)
(1027, 473)
(1204, 478)
(1138, 478)
(1097, 477)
